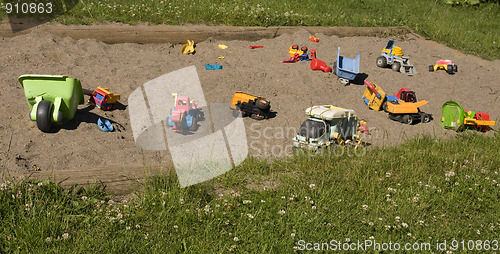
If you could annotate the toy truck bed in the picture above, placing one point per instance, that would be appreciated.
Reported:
(347, 68)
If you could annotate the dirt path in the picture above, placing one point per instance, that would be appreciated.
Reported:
(80, 153)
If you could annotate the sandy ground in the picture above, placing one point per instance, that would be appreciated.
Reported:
(80, 152)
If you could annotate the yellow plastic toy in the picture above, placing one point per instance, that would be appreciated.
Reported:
(294, 49)
(188, 48)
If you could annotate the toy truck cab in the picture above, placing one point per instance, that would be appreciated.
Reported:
(327, 125)
(406, 95)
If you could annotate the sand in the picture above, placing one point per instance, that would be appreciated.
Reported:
(80, 152)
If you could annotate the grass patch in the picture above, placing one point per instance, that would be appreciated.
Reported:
(471, 29)
(427, 190)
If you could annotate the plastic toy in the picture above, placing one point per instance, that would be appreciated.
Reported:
(213, 67)
(105, 125)
(313, 39)
(328, 125)
(408, 112)
(297, 54)
(294, 50)
(317, 64)
(256, 47)
(402, 107)
(375, 97)
(188, 48)
(346, 68)
(51, 98)
(363, 127)
(456, 118)
(393, 56)
(222, 46)
(256, 107)
(103, 99)
(184, 114)
(446, 65)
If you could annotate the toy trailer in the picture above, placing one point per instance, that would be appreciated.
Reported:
(456, 118)
(393, 56)
(51, 98)
(327, 125)
(257, 108)
(346, 68)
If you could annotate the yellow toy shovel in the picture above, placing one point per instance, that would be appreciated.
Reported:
(188, 48)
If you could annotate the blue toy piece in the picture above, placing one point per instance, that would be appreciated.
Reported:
(213, 67)
(346, 68)
(105, 125)
(304, 57)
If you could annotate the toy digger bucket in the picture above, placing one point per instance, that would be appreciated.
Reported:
(51, 98)
(407, 67)
(452, 115)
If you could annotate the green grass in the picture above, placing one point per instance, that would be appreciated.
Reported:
(471, 29)
(427, 191)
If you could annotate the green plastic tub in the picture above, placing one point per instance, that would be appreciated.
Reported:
(452, 115)
(51, 98)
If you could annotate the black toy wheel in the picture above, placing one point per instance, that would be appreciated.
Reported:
(257, 117)
(43, 113)
(411, 120)
(455, 68)
(194, 125)
(262, 104)
(426, 118)
(449, 69)
(381, 62)
(431, 68)
(406, 119)
(396, 66)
